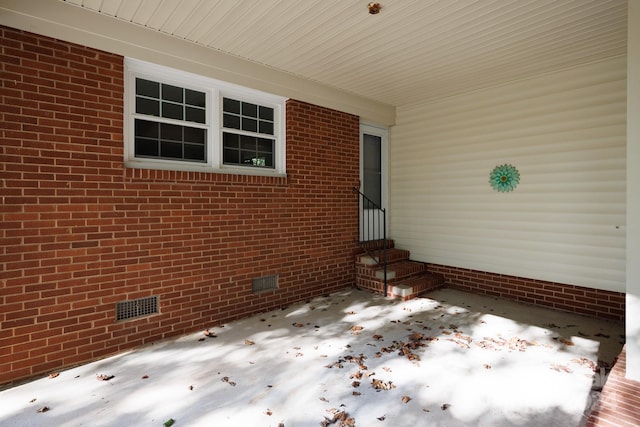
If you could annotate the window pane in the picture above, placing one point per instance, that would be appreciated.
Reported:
(170, 132)
(230, 121)
(150, 107)
(146, 129)
(147, 88)
(194, 152)
(250, 125)
(246, 157)
(248, 143)
(196, 115)
(231, 156)
(268, 158)
(194, 98)
(172, 93)
(266, 127)
(250, 110)
(195, 135)
(172, 150)
(231, 106)
(146, 148)
(266, 113)
(172, 111)
(265, 145)
(231, 140)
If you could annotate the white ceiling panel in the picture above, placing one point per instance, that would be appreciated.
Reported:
(412, 51)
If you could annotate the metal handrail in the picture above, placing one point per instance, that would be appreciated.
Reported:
(370, 231)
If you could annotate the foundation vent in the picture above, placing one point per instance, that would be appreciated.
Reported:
(263, 284)
(132, 309)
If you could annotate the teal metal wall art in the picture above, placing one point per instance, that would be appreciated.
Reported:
(504, 178)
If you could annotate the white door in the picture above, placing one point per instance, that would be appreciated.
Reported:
(373, 179)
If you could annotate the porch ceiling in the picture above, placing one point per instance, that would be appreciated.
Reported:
(411, 51)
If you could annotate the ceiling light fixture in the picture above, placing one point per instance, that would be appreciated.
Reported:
(374, 8)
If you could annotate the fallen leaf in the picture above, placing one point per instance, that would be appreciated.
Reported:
(566, 342)
(355, 384)
(144, 377)
(561, 368)
(583, 361)
(382, 385)
(356, 329)
(377, 337)
(425, 410)
(54, 374)
(33, 400)
(356, 393)
(249, 342)
(405, 399)
(43, 409)
(445, 406)
(209, 334)
(169, 422)
(103, 377)
(268, 412)
(382, 418)
(487, 366)
(324, 399)
(298, 325)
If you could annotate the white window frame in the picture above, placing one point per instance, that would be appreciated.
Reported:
(215, 90)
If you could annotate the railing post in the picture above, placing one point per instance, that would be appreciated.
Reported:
(384, 249)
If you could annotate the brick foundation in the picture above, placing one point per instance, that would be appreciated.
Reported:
(79, 232)
(571, 298)
(619, 403)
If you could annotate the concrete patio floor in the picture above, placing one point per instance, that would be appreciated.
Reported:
(351, 358)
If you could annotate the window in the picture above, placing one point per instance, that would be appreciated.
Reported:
(177, 120)
(248, 134)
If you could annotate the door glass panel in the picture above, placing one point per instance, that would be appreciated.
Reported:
(372, 168)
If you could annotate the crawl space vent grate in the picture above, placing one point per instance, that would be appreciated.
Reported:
(135, 308)
(266, 283)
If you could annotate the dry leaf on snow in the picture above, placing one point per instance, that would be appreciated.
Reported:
(382, 385)
(103, 377)
(405, 399)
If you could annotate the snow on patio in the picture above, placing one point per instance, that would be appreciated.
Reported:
(348, 359)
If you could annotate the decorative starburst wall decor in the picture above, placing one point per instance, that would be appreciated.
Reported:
(504, 178)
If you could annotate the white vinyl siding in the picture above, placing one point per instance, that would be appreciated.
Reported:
(565, 222)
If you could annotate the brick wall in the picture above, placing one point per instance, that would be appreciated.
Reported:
(79, 232)
(575, 299)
